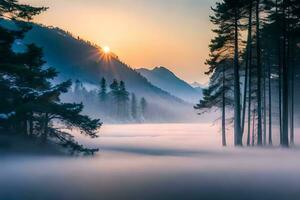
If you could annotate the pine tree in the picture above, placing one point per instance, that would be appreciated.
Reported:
(114, 87)
(133, 107)
(12, 9)
(218, 94)
(103, 90)
(124, 98)
(227, 16)
(143, 105)
(78, 87)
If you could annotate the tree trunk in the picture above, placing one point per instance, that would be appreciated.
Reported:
(259, 110)
(285, 86)
(265, 108)
(292, 91)
(253, 128)
(31, 124)
(237, 104)
(248, 72)
(250, 80)
(223, 111)
(249, 119)
(46, 128)
(280, 90)
(279, 73)
(270, 105)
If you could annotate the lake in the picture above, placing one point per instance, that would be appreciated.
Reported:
(153, 162)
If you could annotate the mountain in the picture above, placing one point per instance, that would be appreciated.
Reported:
(168, 81)
(198, 86)
(77, 59)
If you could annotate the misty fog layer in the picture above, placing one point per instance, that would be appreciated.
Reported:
(166, 161)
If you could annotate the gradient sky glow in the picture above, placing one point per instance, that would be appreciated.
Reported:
(143, 33)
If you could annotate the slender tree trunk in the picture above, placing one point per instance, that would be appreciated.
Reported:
(259, 107)
(253, 128)
(279, 73)
(31, 124)
(290, 58)
(292, 91)
(223, 110)
(285, 99)
(237, 103)
(249, 119)
(245, 95)
(250, 79)
(270, 105)
(24, 126)
(265, 109)
(46, 128)
(280, 88)
(248, 73)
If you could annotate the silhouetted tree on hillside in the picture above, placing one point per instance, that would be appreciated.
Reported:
(134, 107)
(103, 90)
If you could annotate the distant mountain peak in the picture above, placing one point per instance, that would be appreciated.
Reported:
(165, 79)
(159, 71)
(161, 68)
(165, 72)
(198, 85)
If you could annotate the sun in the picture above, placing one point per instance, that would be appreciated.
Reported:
(106, 49)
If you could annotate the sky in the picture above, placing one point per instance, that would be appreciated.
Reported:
(143, 33)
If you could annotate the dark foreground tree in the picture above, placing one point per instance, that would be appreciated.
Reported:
(219, 93)
(225, 65)
(227, 16)
(29, 102)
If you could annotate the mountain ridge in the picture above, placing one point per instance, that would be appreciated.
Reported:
(167, 80)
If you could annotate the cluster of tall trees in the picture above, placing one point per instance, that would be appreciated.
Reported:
(123, 105)
(30, 103)
(113, 101)
(252, 68)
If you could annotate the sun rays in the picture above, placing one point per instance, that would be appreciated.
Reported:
(106, 49)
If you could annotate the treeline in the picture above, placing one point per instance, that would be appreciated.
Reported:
(112, 101)
(252, 67)
(30, 104)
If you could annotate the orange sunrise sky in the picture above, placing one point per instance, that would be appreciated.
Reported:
(143, 33)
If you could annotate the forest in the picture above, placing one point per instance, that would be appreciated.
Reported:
(253, 65)
(113, 101)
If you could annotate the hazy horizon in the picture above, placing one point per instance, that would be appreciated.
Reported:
(171, 33)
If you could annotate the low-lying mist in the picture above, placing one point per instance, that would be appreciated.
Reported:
(165, 161)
